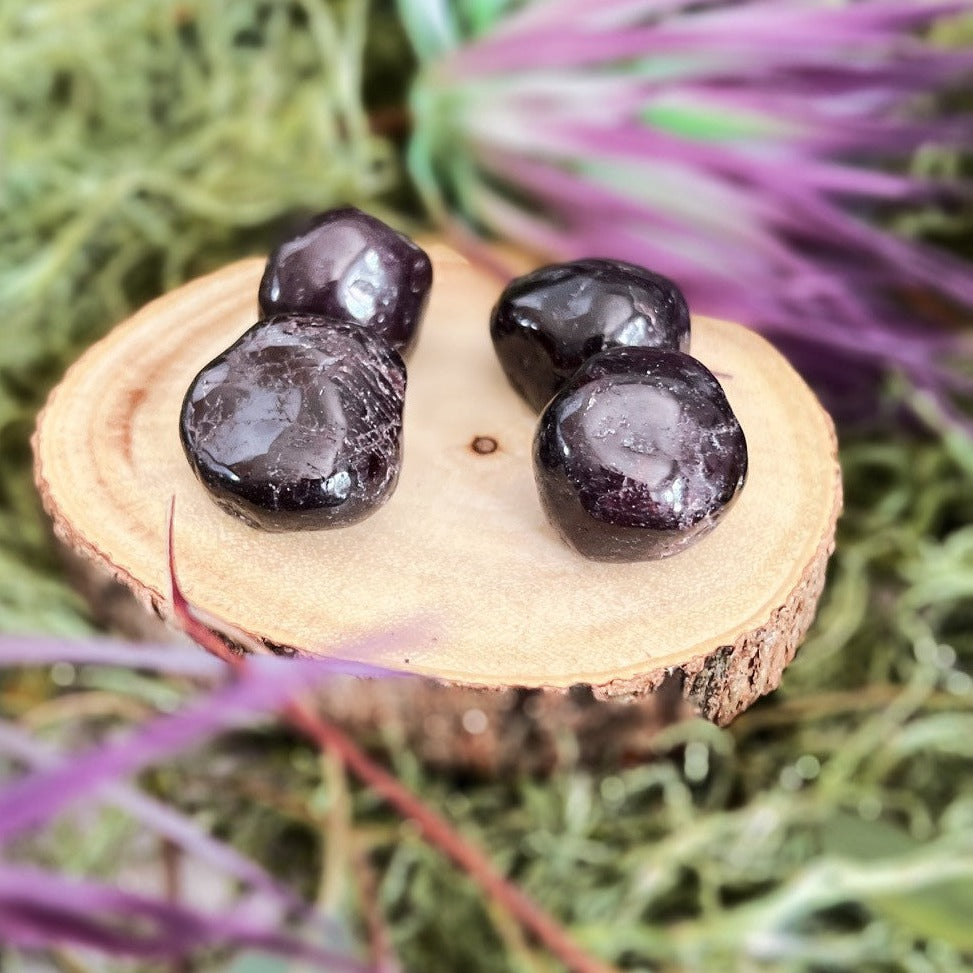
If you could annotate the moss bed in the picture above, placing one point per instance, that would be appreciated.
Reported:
(829, 828)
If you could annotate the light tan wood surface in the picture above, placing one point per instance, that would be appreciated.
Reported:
(460, 561)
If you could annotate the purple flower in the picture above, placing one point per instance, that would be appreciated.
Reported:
(740, 148)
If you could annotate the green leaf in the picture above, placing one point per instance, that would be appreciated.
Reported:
(258, 963)
(941, 912)
(849, 836)
(430, 26)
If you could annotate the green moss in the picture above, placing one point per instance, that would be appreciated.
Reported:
(828, 829)
(143, 144)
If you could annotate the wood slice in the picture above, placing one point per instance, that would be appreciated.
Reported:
(460, 565)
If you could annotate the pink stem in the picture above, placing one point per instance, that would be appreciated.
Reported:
(433, 827)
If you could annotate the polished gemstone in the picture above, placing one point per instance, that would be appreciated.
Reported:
(347, 264)
(639, 455)
(298, 424)
(549, 322)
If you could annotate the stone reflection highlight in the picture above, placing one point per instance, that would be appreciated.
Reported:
(546, 324)
(298, 424)
(348, 265)
(639, 455)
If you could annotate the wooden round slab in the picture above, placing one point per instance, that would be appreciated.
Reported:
(461, 558)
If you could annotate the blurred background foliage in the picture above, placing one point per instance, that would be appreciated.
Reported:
(830, 828)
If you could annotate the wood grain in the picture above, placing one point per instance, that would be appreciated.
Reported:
(460, 569)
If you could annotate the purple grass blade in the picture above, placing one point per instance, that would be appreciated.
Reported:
(834, 177)
(742, 148)
(894, 16)
(596, 203)
(604, 14)
(728, 296)
(175, 660)
(901, 78)
(265, 687)
(161, 819)
(798, 205)
(599, 203)
(569, 45)
(40, 909)
(880, 137)
(633, 142)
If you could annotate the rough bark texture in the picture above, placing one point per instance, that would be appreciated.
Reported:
(478, 731)
(570, 659)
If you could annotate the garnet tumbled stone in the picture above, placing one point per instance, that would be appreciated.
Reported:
(638, 455)
(298, 424)
(549, 322)
(352, 266)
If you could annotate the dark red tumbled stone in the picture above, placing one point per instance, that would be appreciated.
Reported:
(298, 424)
(349, 265)
(638, 455)
(546, 324)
